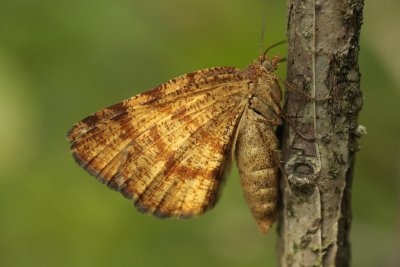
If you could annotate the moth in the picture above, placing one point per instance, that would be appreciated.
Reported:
(168, 149)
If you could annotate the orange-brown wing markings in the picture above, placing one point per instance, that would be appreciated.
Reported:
(135, 170)
(168, 152)
(196, 197)
(95, 151)
(187, 184)
(157, 141)
(143, 119)
(133, 118)
(172, 90)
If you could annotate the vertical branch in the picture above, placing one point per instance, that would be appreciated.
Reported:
(322, 61)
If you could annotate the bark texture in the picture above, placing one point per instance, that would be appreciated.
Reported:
(319, 137)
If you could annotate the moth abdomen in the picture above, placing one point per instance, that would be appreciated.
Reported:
(258, 175)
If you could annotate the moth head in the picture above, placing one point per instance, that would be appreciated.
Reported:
(270, 64)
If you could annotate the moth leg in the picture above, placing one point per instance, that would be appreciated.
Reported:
(274, 115)
(294, 127)
(280, 163)
(270, 113)
(291, 87)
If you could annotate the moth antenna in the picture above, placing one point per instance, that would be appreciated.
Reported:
(263, 23)
(272, 46)
(284, 59)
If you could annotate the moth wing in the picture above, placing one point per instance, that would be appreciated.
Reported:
(173, 90)
(166, 149)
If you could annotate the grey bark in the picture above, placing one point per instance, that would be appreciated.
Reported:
(319, 137)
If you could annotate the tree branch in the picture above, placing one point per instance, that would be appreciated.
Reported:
(322, 61)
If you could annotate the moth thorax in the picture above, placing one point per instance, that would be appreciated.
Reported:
(268, 89)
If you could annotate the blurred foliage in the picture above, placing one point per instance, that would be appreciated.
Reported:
(62, 60)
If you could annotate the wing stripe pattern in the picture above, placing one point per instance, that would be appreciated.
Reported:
(168, 92)
(158, 182)
(111, 143)
(166, 149)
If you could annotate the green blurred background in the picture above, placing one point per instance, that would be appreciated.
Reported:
(62, 60)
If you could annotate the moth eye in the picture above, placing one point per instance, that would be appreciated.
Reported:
(267, 65)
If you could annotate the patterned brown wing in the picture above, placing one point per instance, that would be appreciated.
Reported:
(178, 88)
(166, 149)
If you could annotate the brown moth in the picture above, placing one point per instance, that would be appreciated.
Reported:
(167, 149)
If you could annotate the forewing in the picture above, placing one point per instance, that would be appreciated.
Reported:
(166, 149)
(190, 84)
